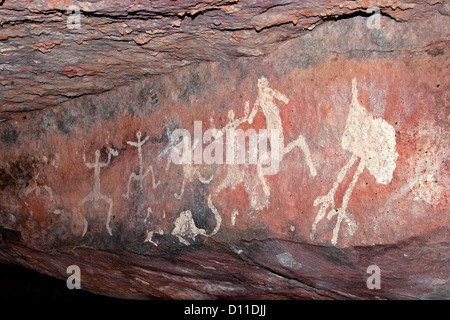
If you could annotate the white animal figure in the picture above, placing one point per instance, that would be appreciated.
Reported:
(373, 141)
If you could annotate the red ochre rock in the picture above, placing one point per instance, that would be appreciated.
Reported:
(362, 119)
(73, 71)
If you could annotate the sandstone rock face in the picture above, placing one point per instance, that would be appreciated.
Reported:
(344, 164)
(55, 50)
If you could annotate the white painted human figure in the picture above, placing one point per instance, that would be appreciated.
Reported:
(34, 187)
(373, 141)
(257, 188)
(189, 173)
(167, 149)
(96, 195)
(234, 173)
(234, 123)
(141, 176)
(266, 101)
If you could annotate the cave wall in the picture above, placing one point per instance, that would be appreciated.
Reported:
(362, 118)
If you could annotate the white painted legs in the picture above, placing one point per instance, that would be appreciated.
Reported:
(92, 197)
(140, 178)
(341, 213)
(327, 202)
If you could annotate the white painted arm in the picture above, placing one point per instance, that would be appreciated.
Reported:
(132, 143)
(280, 96)
(145, 140)
(111, 152)
(89, 165)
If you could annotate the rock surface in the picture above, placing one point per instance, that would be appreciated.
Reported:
(362, 118)
(55, 50)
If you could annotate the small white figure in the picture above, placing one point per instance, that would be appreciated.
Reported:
(140, 177)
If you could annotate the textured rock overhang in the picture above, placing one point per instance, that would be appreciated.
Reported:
(44, 62)
(87, 163)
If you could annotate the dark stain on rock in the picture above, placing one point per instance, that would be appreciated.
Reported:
(436, 51)
(130, 108)
(444, 9)
(92, 109)
(18, 173)
(146, 100)
(62, 127)
(67, 122)
(192, 87)
(340, 257)
(48, 121)
(377, 37)
(6, 180)
(109, 112)
(161, 138)
(9, 136)
(134, 221)
(136, 198)
(302, 61)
